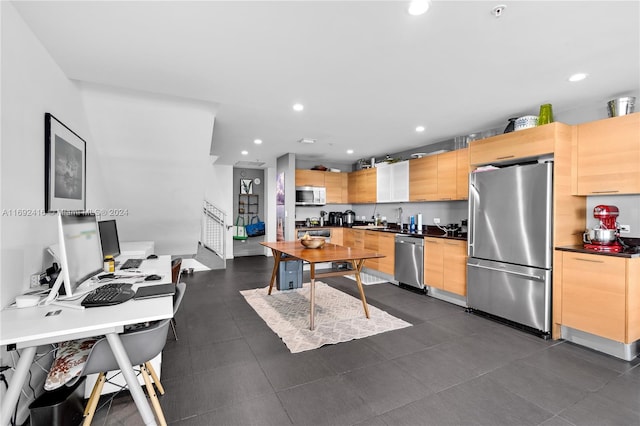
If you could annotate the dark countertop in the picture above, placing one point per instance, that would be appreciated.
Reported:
(580, 249)
(430, 231)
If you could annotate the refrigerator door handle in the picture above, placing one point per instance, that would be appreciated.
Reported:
(506, 271)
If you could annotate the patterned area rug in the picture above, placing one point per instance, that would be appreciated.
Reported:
(339, 316)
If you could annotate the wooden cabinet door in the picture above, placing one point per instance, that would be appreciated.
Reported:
(348, 237)
(337, 236)
(386, 246)
(310, 177)
(593, 294)
(433, 262)
(352, 187)
(358, 238)
(362, 186)
(336, 184)
(511, 146)
(423, 178)
(455, 266)
(462, 174)
(447, 172)
(368, 186)
(371, 243)
(608, 156)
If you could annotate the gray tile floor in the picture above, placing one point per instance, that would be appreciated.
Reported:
(450, 368)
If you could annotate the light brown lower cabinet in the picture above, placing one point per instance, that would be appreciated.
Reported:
(337, 236)
(601, 295)
(445, 264)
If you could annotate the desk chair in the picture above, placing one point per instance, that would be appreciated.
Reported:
(176, 264)
(142, 343)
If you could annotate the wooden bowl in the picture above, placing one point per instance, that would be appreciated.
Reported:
(313, 242)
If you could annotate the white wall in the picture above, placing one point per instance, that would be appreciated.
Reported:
(155, 157)
(32, 84)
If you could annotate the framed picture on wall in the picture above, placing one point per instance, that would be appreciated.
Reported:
(65, 162)
(246, 186)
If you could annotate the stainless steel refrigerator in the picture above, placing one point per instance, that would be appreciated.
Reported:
(510, 237)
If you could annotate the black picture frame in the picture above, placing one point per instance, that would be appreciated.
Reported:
(65, 167)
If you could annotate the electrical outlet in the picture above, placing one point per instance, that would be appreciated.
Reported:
(35, 280)
(436, 220)
(625, 229)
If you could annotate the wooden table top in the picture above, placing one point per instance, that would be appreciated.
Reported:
(328, 253)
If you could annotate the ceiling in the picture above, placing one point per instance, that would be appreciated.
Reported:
(367, 73)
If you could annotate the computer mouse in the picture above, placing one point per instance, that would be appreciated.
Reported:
(152, 256)
(152, 277)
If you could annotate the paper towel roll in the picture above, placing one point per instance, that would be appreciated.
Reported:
(419, 225)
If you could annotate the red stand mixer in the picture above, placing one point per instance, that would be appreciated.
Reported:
(604, 237)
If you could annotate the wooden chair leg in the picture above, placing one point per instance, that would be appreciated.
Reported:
(152, 395)
(154, 376)
(90, 409)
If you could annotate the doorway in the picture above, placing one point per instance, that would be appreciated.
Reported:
(248, 205)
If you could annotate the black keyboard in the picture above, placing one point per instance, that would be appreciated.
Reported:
(108, 295)
(131, 263)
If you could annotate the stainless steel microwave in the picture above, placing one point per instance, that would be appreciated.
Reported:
(311, 196)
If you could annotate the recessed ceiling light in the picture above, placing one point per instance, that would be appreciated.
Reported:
(245, 153)
(577, 77)
(349, 151)
(257, 141)
(420, 129)
(419, 7)
(298, 107)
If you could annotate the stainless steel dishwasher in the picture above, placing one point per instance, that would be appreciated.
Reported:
(409, 260)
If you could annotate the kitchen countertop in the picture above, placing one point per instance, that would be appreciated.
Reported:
(580, 249)
(430, 232)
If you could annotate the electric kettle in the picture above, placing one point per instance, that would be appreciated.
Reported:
(348, 218)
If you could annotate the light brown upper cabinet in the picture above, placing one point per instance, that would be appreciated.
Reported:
(310, 177)
(423, 178)
(337, 187)
(608, 156)
(363, 186)
(439, 177)
(462, 174)
(507, 147)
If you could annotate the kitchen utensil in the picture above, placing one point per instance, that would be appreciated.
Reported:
(526, 122)
(600, 236)
(621, 106)
(348, 218)
(511, 126)
(546, 115)
(604, 236)
(313, 242)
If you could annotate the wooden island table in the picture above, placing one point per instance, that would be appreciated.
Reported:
(328, 253)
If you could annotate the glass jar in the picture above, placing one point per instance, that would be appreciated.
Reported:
(109, 264)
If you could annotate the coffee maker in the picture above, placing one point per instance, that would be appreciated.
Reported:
(604, 236)
(335, 218)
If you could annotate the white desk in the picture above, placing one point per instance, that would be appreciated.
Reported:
(29, 328)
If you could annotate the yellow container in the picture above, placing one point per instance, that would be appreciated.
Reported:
(109, 264)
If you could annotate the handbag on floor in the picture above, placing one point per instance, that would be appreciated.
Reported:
(239, 231)
(255, 228)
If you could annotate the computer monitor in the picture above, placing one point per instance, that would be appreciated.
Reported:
(109, 238)
(80, 252)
